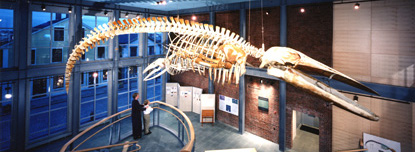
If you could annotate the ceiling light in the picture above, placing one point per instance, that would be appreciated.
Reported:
(163, 2)
(356, 6)
(43, 7)
(355, 98)
(194, 17)
(302, 10)
(126, 15)
(70, 10)
(106, 13)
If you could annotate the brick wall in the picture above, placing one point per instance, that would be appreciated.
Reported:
(259, 122)
(266, 124)
(311, 32)
(271, 29)
(201, 18)
(229, 20)
(299, 100)
(191, 78)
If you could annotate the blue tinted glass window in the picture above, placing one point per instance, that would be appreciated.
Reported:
(6, 98)
(6, 38)
(48, 107)
(94, 96)
(101, 50)
(49, 38)
(128, 44)
(127, 86)
(155, 43)
(154, 89)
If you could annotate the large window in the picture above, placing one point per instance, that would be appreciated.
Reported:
(48, 107)
(128, 44)
(94, 96)
(155, 45)
(49, 32)
(127, 85)
(6, 38)
(154, 88)
(6, 99)
(101, 50)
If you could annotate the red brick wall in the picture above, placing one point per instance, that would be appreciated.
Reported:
(229, 90)
(201, 18)
(259, 122)
(299, 100)
(271, 29)
(266, 124)
(229, 20)
(191, 78)
(311, 32)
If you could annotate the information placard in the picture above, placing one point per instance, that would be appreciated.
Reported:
(228, 104)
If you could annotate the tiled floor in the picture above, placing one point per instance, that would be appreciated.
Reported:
(208, 137)
(305, 142)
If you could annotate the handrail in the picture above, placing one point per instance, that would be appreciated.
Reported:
(187, 148)
(110, 146)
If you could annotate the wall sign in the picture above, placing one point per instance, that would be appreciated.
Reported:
(263, 103)
(228, 104)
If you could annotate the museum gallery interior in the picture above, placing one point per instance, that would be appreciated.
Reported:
(220, 75)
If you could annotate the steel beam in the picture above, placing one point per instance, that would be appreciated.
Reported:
(282, 85)
(211, 87)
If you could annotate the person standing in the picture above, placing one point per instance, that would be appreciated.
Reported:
(136, 111)
(147, 117)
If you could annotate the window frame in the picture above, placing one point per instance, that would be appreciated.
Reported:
(54, 30)
(97, 82)
(51, 53)
(49, 94)
(34, 60)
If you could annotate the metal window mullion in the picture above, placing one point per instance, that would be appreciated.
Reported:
(49, 98)
(95, 95)
(50, 32)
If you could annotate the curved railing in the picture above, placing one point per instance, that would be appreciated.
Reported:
(116, 118)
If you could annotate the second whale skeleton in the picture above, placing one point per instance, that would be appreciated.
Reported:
(222, 55)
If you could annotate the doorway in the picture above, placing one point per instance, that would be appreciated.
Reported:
(305, 132)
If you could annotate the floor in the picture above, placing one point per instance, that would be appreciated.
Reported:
(208, 137)
(305, 141)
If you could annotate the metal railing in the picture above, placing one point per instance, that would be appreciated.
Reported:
(111, 122)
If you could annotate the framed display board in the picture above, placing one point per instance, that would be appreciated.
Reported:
(263, 103)
(228, 104)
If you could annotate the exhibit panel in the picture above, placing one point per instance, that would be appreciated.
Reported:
(228, 104)
(172, 91)
(207, 103)
(185, 102)
(197, 92)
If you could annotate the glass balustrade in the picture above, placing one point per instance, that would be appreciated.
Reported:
(114, 133)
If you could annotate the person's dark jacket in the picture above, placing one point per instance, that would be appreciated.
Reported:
(136, 111)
